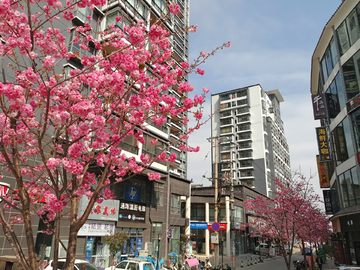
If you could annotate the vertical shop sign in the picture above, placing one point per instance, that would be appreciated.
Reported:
(132, 245)
(138, 245)
(323, 144)
(319, 106)
(327, 201)
(323, 173)
(89, 245)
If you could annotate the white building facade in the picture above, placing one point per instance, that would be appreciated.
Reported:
(252, 147)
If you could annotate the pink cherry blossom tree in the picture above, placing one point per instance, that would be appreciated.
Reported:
(281, 218)
(57, 125)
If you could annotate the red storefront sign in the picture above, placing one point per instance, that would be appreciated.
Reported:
(223, 226)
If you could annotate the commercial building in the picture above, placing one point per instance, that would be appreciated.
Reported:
(335, 89)
(145, 210)
(203, 217)
(249, 144)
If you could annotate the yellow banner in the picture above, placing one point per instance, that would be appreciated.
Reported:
(323, 173)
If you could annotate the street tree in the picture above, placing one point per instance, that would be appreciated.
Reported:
(62, 132)
(281, 218)
(116, 241)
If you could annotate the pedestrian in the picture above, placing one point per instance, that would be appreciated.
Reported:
(319, 261)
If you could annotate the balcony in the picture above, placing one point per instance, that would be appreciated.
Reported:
(130, 148)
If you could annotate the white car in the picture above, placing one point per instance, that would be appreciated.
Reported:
(79, 265)
(135, 264)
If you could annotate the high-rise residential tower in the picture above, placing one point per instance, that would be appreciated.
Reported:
(252, 147)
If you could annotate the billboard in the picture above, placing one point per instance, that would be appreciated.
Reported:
(323, 144)
(323, 173)
(319, 106)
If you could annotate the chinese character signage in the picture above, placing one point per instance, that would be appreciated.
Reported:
(132, 212)
(323, 173)
(132, 193)
(323, 144)
(107, 210)
(327, 201)
(319, 106)
(97, 228)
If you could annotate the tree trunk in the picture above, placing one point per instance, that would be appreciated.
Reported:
(56, 240)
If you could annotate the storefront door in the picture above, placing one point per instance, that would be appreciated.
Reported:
(357, 252)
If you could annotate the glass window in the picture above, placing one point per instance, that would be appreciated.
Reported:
(245, 154)
(340, 143)
(351, 83)
(340, 91)
(348, 139)
(244, 136)
(225, 97)
(225, 156)
(226, 121)
(343, 38)
(244, 127)
(343, 191)
(159, 193)
(225, 147)
(175, 204)
(332, 100)
(333, 52)
(241, 93)
(242, 102)
(198, 212)
(352, 27)
(225, 130)
(238, 213)
(356, 186)
(243, 110)
(324, 70)
(226, 113)
(348, 181)
(225, 105)
(355, 118)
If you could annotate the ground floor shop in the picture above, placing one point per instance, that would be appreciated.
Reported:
(346, 243)
(201, 239)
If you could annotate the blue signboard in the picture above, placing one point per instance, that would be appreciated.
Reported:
(198, 225)
(89, 248)
(132, 193)
(124, 248)
(138, 245)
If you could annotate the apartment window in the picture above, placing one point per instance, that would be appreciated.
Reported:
(243, 110)
(349, 188)
(225, 147)
(225, 97)
(175, 204)
(225, 130)
(241, 93)
(246, 154)
(247, 173)
(244, 145)
(160, 5)
(224, 114)
(225, 121)
(159, 193)
(225, 105)
(175, 240)
(82, 13)
(139, 7)
(111, 19)
(244, 136)
(225, 156)
(198, 212)
(130, 144)
(244, 127)
(238, 213)
(242, 102)
(226, 139)
(246, 163)
(243, 118)
(75, 47)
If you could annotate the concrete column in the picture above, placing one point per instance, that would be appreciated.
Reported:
(187, 217)
(228, 239)
(207, 233)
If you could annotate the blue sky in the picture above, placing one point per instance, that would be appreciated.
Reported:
(272, 44)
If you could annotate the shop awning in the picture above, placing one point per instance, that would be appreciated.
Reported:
(192, 262)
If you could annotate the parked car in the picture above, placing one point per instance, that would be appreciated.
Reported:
(263, 248)
(135, 264)
(79, 265)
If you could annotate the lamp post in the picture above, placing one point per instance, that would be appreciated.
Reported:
(158, 252)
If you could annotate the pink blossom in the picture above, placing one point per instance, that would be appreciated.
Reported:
(174, 8)
(203, 54)
(193, 28)
(206, 90)
(228, 44)
(199, 71)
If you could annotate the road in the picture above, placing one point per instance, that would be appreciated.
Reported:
(277, 262)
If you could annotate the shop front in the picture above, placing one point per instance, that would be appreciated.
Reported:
(348, 241)
(197, 237)
(101, 223)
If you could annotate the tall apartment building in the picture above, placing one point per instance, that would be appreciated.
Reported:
(335, 89)
(144, 210)
(252, 148)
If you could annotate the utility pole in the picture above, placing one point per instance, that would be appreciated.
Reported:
(216, 191)
(216, 201)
